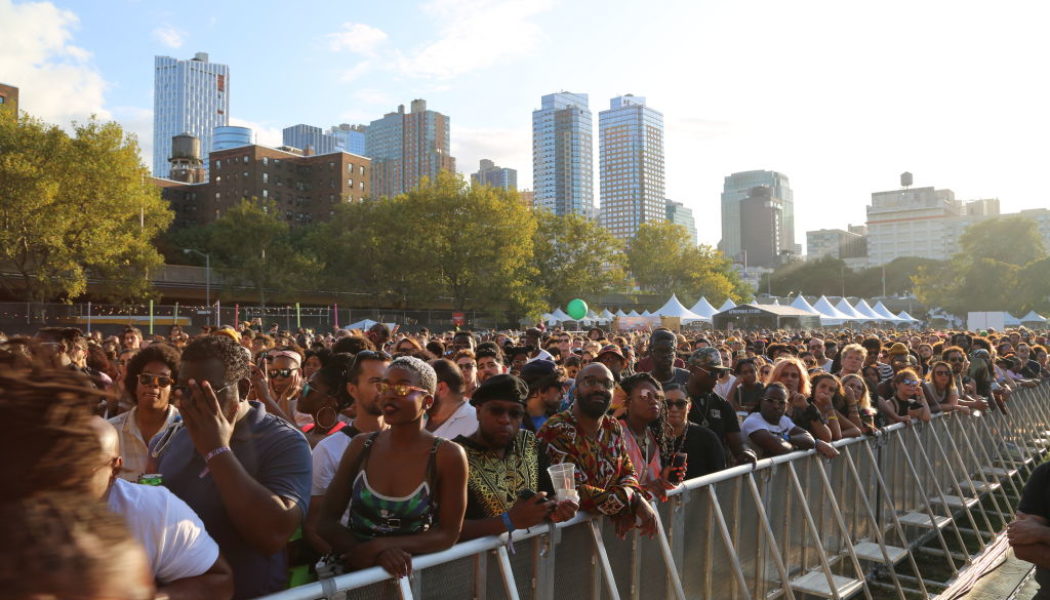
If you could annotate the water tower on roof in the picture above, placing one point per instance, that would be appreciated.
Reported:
(186, 163)
(906, 180)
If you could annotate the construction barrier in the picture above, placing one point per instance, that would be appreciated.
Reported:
(901, 514)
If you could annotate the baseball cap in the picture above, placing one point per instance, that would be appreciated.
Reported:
(708, 358)
(611, 348)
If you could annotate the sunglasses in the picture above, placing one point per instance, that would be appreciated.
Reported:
(157, 380)
(401, 390)
(467, 366)
(910, 382)
(945, 373)
(676, 403)
(281, 372)
(515, 414)
(185, 392)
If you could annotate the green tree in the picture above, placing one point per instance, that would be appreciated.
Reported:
(663, 260)
(251, 245)
(988, 273)
(575, 257)
(76, 206)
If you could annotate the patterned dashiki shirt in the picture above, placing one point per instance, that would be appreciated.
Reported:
(605, 477)
(493, 481)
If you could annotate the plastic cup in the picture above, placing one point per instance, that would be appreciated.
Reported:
(563, 478)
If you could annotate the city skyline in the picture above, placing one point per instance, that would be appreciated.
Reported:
(834, 109)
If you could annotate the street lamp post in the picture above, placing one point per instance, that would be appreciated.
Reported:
(207, 277)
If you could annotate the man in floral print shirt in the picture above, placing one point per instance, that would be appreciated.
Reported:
(587, 437)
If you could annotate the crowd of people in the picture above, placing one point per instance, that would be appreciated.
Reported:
(235, 462)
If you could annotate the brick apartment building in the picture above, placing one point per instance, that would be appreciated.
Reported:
(306, 189)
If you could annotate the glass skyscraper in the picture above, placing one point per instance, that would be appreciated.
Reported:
(406, 147)
(680, 214)
(350, 138)
(631, 155)
(308, 136)
(562, 155)
(189, 96)
(737, 188)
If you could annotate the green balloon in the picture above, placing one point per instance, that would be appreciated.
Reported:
(577, 309)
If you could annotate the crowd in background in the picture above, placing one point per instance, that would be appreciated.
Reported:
(236, 462)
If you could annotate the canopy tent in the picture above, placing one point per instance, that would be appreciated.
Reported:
(606, 315)
(906, 317)
(674, 308)
(1011, 321)
(770, 316)
(800, 303)
(865, 311)
(846, 308)
(559, 316)
(703, 308)
(633, 313)
(881, 310)
(1033, 317)
(646, 313)
(365, 324)
(726, 305)
(829, 315)
(619, 313)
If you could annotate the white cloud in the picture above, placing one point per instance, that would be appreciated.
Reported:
(373, 96)
(354, 73)
(475, 34)
(56, 79)
(510, 148)
(139, 122)
(264, 135)
(357, 38)
(169, 36)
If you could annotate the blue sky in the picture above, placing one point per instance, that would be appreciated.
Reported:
(840, 96)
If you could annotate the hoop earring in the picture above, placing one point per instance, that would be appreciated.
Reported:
(335, 418)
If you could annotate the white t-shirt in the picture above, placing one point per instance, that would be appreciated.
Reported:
(173, 535)
(463, 422)
(722, 388)
(327, 454)
(755, 422)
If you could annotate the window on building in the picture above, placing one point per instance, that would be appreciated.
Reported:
(266, 177)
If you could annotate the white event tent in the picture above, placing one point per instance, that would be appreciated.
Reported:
(726, 305)
(1033, 317)
(881, 310)
(846, 308)
(865, 310)
(829, 315)
(703, 308)
(674, 308)
(801, 303)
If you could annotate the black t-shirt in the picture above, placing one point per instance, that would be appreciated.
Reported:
(1035, 500)
(749, 397)
(705, 451)
(679, 376)
(712, 411)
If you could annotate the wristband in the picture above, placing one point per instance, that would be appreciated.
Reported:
(507, 522)
(211, 455)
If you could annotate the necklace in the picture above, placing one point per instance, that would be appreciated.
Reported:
(643, 447)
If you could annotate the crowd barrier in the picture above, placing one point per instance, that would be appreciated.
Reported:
(896, 515)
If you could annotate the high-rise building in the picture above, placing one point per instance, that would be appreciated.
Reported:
(189, 96)
(9, 96)
(230, 136)
(562, 155)
(405, 148)
(680, 214)
(490, 174)
(303, 189)
(351, 138)
(631, 157)
(308, 137)
(837, 243)
(737, 188)
(761, 225)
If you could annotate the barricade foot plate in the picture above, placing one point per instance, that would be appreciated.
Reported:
(981, 486)
(916, 519)
(955, 501)
(999, 472)
(866, 550)
(816, 583)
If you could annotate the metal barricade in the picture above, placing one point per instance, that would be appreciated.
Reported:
(903, 512)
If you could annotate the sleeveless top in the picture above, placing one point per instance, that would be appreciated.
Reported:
(376, 515)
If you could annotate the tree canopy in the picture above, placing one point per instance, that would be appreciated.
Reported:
(76, 206)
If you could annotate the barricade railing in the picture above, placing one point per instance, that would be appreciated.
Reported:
(905, 511)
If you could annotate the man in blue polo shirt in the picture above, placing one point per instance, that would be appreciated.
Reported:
(246, 473)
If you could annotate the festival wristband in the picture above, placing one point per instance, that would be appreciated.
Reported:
(507, 522)
(211, 455)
